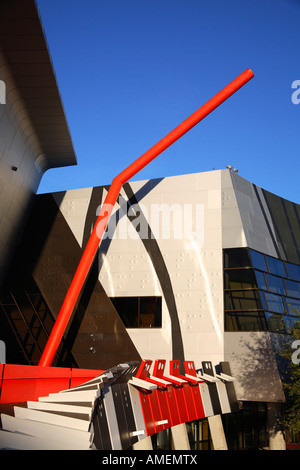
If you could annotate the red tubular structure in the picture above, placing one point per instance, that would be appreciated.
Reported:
(106, 210)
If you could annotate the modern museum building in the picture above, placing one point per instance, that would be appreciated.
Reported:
(175, 340)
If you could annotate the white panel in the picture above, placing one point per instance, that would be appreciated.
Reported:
(205, 395)
(47, 431)
(9, 440)
(50, 418)
(60, 407)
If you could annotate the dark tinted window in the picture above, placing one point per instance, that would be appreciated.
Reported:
(139, 312)
(236, 258)
(275, 323)
(240, 279)
(245, 321)
(150, 312)
(127, 308)
(242, 300)
(267, 289)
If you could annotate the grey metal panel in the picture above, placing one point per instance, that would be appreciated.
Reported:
(230, 388)
(137, 412)
(31, 84)
(111, 418)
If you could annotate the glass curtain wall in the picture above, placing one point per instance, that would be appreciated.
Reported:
(261, 293)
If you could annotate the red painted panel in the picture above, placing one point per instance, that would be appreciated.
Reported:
(147, 412)
(156, 411)
(189, 367)
(181, 404)
(163, 406)
(196, 394)
(167, 399)
(152, 401)
(173, 407)
(14, 371)
(21, 383)
(21, 390)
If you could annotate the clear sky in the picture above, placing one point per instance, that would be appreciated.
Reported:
(129, 71)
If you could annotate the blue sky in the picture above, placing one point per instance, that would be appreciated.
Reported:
(129, 71)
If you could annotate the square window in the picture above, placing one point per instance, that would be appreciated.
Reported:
(276, 266)
(275, 303)
(292, 306)
(261, 282)
(275, 284)
(275, 323)
(258, 260)
(293, 271)
(292, 288)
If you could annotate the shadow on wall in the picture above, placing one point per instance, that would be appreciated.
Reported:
(255, 365)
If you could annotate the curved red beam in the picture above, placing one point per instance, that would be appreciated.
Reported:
(106, 210)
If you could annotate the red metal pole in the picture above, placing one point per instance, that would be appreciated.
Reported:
(106, 210)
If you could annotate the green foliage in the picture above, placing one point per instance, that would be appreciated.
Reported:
(291, 382)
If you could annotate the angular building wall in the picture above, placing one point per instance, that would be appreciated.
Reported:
(34, 135)
(256, 219)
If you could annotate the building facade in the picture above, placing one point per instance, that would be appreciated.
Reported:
(200, 267)
(200, 271)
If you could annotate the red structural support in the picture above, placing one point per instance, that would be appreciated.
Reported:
(106, 210)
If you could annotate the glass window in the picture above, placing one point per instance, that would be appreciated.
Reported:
(139, 312)
(292, 307)
(275, 284)
(261, 282)
(276, 266)
(291, 322)
(150, 312)
(242, 300)
(275, 303)
(127, 308)
(292, 288)
(245, 321)
(258, 260)
(239, 279)
(293, 271)
(263, 300)
(275, 323)
(236, 258)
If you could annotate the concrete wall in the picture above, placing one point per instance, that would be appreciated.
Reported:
(19, 179)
